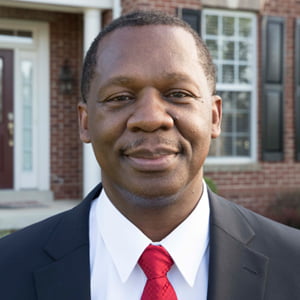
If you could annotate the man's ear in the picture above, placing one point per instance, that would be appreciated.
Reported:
(216, 116)
(83, 122)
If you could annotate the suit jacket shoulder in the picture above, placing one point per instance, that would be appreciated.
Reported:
(46, 260)
(260, 257)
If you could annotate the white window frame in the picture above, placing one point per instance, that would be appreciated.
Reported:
(224, 160)
(38, 52)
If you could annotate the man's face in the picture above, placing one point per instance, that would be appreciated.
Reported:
(150, 115)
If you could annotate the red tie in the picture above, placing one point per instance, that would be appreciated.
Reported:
(156, 262)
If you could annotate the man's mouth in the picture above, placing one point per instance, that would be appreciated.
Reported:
(152, 159)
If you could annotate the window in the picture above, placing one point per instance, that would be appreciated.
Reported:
(27, 97)
(17, 36)
(231, 39)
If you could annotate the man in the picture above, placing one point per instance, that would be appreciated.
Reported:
(150, 110)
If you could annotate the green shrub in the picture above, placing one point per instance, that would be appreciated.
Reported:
(211, 184)
(286, 208)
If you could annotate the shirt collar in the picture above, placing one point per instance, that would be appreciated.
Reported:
(193, 235)
(125, 242)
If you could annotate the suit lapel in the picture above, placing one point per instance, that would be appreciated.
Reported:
(236, 271)
(67, 276)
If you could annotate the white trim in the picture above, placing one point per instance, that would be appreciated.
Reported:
(91, 169)
(240, 87)
(37, 52)
(59, 5)
(78, 3)
(91, 26)
(116, 9)
(44, 108)
(229, 13)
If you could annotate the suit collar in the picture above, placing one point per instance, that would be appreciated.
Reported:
(236, 270)
(67, 276)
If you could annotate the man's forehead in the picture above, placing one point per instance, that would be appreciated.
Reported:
(129, 44)
(133, 34)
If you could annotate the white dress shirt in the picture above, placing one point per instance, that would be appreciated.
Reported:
(116, 245)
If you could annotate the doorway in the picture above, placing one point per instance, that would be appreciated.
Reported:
(6, 119)
(24, 106)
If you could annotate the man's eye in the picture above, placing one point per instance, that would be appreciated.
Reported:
(120, 98)
(179, 96)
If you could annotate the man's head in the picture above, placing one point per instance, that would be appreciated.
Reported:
(144, 18)
(150, 115)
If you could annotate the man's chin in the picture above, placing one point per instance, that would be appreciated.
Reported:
(150, 198)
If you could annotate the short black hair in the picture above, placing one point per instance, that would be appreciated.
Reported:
(144, 18)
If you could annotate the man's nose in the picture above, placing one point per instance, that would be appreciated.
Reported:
(151, 113)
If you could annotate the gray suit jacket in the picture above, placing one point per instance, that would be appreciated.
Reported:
(251, 258)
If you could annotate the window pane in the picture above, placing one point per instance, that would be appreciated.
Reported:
(27, 140)
(244, 74)
(27, 117)
(242, 146)
(227, 122)
(213, 48)
(27, 72)
(212, 25)
(228, 26)
(27, 161)
(243, 100)
(19, 36)
(27, 97)
(228, 50)
(227, 146)
(228, 103)
(228, 73)
(244, 51)
(27, 94)
(242, 122)
(244, 27)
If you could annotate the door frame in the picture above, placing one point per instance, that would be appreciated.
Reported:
(38, 52)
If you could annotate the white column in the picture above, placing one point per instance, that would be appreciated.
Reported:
(91, 169)
(116, 9)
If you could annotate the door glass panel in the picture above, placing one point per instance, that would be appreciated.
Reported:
(1, 89)
(27, 92)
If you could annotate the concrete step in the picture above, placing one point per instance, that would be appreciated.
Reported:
(22, 208)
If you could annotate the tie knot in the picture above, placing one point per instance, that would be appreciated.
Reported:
(155, 261)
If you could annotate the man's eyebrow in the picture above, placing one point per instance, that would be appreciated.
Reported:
(174, 76)
(119, 80)
(123, 80)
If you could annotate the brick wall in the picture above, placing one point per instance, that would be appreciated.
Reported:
(66, 150)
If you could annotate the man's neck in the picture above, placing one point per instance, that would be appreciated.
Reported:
(157, 221)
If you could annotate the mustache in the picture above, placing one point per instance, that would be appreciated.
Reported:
(161, 141)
